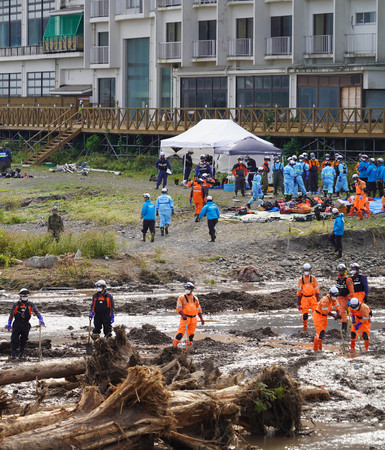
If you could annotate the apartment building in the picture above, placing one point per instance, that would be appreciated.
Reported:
(195, 53)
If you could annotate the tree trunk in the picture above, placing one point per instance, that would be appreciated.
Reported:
(41, 371)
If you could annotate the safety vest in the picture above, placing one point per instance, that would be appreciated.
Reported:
(360, 186)
(203, 167)
(357, 283)
(342, 287)
(308, 290)
(265, 165)
(162, 165)
(100, 300)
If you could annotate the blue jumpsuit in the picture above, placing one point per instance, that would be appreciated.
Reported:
(288, 173)
(164, 207)
(327, 175)
(257, 189)
(162, 165)
(363, 170)
(298, 171)
(342, 179)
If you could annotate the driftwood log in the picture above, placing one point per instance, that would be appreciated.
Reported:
(5, 347)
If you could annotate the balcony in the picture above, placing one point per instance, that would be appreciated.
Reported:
(99, 8)
(205, 49)
(204, 2)
(278, 46)
(169, 3)
(362, 44)
(60, 44)
(319, 45)
(129, 7)
(240, 48)
(169, 50)
(99, 55)
(21, 51)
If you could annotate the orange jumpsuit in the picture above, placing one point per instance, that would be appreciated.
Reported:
(189, 305)
(307, 293)
(198, 194)
(320, 318)
(360, 199)
(383, 202)
(346, 290)
(360, 315)
(208, 182)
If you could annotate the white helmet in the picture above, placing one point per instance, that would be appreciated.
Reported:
(353, 303)
(380, 160)
(354, 177)
(333, 292)
(292, 162)
(341, 267)
(335, 211)
(260, 169)
(203, 156)
(164, 190)
(205, 175)
(294, 157)
(355, 266)
(146, 195)
(306, 267)
(162, 153)
(209, 198)
(100, 283)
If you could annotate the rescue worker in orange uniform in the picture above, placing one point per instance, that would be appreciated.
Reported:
(189, 308)
(198, 194)
(359, 205)
(207, 180)
(360, 283)
(240, 173)
(360, 315)
(321, 313)
(345, 288)
(307, 294)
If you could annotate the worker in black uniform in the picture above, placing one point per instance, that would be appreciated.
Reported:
(21, 312)
(102, 310)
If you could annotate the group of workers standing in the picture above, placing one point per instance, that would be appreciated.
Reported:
(348, 298)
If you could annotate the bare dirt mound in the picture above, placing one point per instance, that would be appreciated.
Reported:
(148, 334)
(259, 333)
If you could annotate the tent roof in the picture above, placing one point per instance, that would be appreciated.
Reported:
(249, 146)
(209, 134)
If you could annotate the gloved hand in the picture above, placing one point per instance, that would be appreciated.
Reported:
(112, 318)
(365, 298)
(41, 321)
(338, 315)
(201, 318)
(331, 314)
(357, 325)
(340, 178)
(353, 319)
(361, 197)
(307, 176)
(172, 212)
(317, 296)
(299, 302)
(9, 325)
(190, 201)
(92, 315)
(157, 213)
(183, 315)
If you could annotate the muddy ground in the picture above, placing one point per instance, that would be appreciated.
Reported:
(147, 278)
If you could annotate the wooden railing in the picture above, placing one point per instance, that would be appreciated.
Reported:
(350, 122)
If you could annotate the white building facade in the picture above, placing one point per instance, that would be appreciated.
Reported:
(196, 53)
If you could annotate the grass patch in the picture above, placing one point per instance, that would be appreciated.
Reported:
(92, 244)
(211, 258)
(11, 218)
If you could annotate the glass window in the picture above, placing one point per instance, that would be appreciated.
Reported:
(245, 28)
(165, 81)
(38, 15)
(103, 39)
(10, 84)
(323, 24)
(266, 91)
(40, 83)
(138, 79)
(10, 23)
(207, 30)
(365, 17)
(107, 92)
(281, 26)
(174, 32)
(209, 91)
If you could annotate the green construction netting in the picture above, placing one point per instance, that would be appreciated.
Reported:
(66, 25)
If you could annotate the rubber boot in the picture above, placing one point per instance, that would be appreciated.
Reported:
(315, 344)
(360, 215)
(196, 218)
(162, 231)
(212, 237)
(175, 343)
(166, 229)
(368, 214)
(366, 343)
(319, 345)
(144, 237)
(152, 237)
(12, 357)
(21, 354)
(248, 205)
(304, 325)
(352, 345)
(344, 327)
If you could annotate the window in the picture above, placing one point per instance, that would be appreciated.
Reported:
(107, 92)
(39, 84)
(365, 18)
(103, 39)
(263, 91)
(207, 30)
(10, 84)
(38, 15)
(138, 72)
(323, 24)
(245, 28)
(174, 32)
(10, 23)
(281, 26)
(204, 91)
(165, 94)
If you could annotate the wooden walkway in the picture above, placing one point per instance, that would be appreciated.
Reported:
(284, 122)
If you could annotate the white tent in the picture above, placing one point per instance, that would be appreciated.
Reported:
(205, 136)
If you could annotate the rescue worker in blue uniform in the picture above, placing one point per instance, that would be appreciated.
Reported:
(360, 283)
(21, 313)
(327, 176)
(277, 169)
(8, 157)
(164, 209)
(371, 185)
(380, 176)
(305, 171)
(203, 167)
(363, 168)
(257, 188)
(299, 167)
(162, 165)
(148, 216)
(338, 231)
(211, 210)
(342, 177)
(102, 310)
(289, 176)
